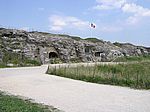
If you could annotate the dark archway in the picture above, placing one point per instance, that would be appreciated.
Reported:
(98, 54)
(87, 50)
(53, 55)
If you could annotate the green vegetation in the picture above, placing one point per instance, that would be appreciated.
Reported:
(2, 65)
(121, 44)
(58, 35)
(75, 60)
(55, 61)
(30, 62)
(134, 75)
(77, 38)
(14, 104)
(117, 44)
(72, 37)
(17, 60)
(133, 58)
(94, 40)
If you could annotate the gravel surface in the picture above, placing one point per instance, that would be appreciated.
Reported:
(71, 95)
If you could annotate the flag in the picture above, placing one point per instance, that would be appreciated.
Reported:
(93, 25)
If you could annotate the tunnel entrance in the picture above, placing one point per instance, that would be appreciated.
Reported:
(53, 55)
(98, 54)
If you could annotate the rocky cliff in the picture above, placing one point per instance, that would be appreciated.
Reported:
(46, 47)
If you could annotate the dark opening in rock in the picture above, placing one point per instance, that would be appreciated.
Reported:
(53, 55)
(87, 50)
(98, 54)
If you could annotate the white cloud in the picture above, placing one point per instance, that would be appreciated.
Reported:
(136, 9)
(138, 12)
(58, 23)
(123, 5)
(109, 4)
(62, 23)
(126, 6)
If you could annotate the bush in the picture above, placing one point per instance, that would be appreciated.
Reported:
(2, 65)
(32, 62)
(18, 60)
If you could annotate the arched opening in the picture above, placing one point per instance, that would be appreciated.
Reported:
(98, 54)
(53, 55)
(87, 50)
(115, 54)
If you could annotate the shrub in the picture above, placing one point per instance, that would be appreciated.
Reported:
(32, 62)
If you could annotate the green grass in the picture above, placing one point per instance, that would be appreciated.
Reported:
(133, 58)
(31, 62)
(134, 75)
(2, 65)
(14, 104)
(117, 44)
(95, 40)
(17, 60)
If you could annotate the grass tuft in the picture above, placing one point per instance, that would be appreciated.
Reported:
(14, 104)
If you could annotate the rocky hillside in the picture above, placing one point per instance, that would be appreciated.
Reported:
(49, 48)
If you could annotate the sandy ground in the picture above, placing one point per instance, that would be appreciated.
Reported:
(71, 95)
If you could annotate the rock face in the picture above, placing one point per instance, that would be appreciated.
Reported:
(47, 47)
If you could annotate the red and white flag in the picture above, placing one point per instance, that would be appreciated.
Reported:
(93, 25)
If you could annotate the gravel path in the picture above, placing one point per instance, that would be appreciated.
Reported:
(71, 95)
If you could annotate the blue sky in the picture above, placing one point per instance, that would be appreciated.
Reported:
(115, 20)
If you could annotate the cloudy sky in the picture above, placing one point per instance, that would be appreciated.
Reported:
(115, 20)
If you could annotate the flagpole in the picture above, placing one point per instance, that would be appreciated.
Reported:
(91, 31)
(91, 27)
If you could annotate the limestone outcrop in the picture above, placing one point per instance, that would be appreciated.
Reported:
(47, 47)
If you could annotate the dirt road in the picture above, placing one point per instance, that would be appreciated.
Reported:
(71, 95)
